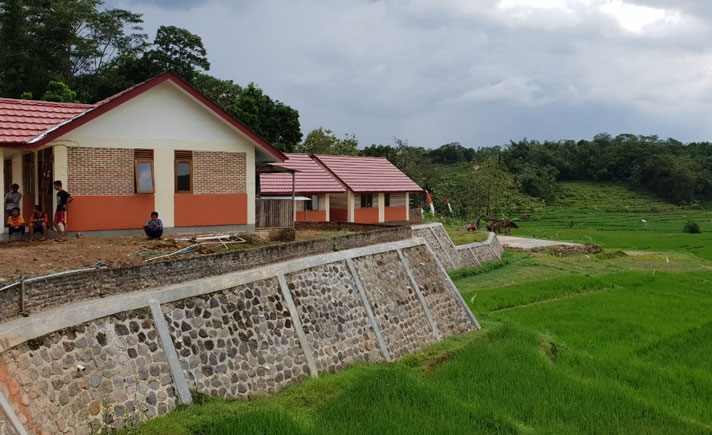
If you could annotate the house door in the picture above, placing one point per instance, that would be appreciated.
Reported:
(7, 168)
(45, 168)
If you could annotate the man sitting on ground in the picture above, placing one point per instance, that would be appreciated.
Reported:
(16, 223)
(154, 227)
(38, 223)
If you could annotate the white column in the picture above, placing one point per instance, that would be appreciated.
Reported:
(61, 171)
(407, 206)
(326, 207)
(251, 187)
(350, 205)
(36, 176)
(381, 207)
(163, 173)
(2, 184)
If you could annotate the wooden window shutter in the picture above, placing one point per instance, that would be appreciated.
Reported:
(143, 154)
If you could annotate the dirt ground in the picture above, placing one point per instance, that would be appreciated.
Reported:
(43, 258)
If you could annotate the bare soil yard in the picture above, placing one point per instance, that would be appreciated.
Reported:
(43, 258)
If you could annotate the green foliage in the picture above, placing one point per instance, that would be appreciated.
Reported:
(273, 120)
(324, 141)
(59, 93)
(691, 227)
(178, 50)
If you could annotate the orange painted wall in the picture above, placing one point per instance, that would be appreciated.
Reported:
(92, 213)
(311, 216)
(338, 215)
(395, 214)
(366, 215)
(208, 210)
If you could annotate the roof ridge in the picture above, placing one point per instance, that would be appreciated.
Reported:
(44, 103)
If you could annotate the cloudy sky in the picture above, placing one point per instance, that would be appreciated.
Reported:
(480, 72)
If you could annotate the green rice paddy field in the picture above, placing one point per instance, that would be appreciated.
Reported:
(596, 344)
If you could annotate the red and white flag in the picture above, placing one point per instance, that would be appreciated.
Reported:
(447, 201)
(430, 201)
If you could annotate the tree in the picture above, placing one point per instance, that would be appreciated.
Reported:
(178, 50)
(324, 141)
(59, 93)
(275, 121)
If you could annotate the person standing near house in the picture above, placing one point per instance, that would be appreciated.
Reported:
(12, 200)
(154, 227)
(60, 216)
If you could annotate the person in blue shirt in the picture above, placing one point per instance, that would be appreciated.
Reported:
(154, 227)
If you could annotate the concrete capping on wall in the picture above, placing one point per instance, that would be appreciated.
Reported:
(36, 329)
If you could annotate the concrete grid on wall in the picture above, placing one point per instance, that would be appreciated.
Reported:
(111, 362)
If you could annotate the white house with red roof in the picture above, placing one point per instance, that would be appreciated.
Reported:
(160, 145)
(376, 191)
(313, 186)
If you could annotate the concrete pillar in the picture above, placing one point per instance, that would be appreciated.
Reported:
(17, 171)
(2, 184)
(251, 186)
(407, 206)
(326, 207)
(164, 196)
(36, 175)
(350, 205)
(381, 207)
(61, 171)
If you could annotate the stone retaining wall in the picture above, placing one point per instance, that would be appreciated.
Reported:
(111, 362)
(458, 256)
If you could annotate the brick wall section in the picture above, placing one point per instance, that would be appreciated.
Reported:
(219, 172)
(100, 171)
(53, 292)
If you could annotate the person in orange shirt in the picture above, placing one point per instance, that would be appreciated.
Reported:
(38, 223)
(16, 223)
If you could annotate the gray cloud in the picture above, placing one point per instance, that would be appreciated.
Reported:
(477, 71)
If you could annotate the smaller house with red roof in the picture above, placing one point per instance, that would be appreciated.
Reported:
(313, 187)
(376, 191)
(160, 145)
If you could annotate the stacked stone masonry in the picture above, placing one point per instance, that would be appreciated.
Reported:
(453, 256)
(231, 340)
(111, 372)
(396, 306)
(449, 315)
(333, 317)
(238, 342)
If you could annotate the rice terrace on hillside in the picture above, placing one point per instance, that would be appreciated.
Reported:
(603, 343)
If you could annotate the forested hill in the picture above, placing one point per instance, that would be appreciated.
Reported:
(508, 178)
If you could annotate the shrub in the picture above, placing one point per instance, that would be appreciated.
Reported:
(691, 227)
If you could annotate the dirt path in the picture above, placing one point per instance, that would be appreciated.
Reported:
(525, 243)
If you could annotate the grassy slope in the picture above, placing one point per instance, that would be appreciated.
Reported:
(603, 343)
(611, 215)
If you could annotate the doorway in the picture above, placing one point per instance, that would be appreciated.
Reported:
(45, 168)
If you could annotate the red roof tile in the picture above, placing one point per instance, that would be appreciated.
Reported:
(311, 178)
(368, 174)
(23, 120)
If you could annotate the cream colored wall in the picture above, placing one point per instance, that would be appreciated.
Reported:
(381, 207)
(164, 119)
